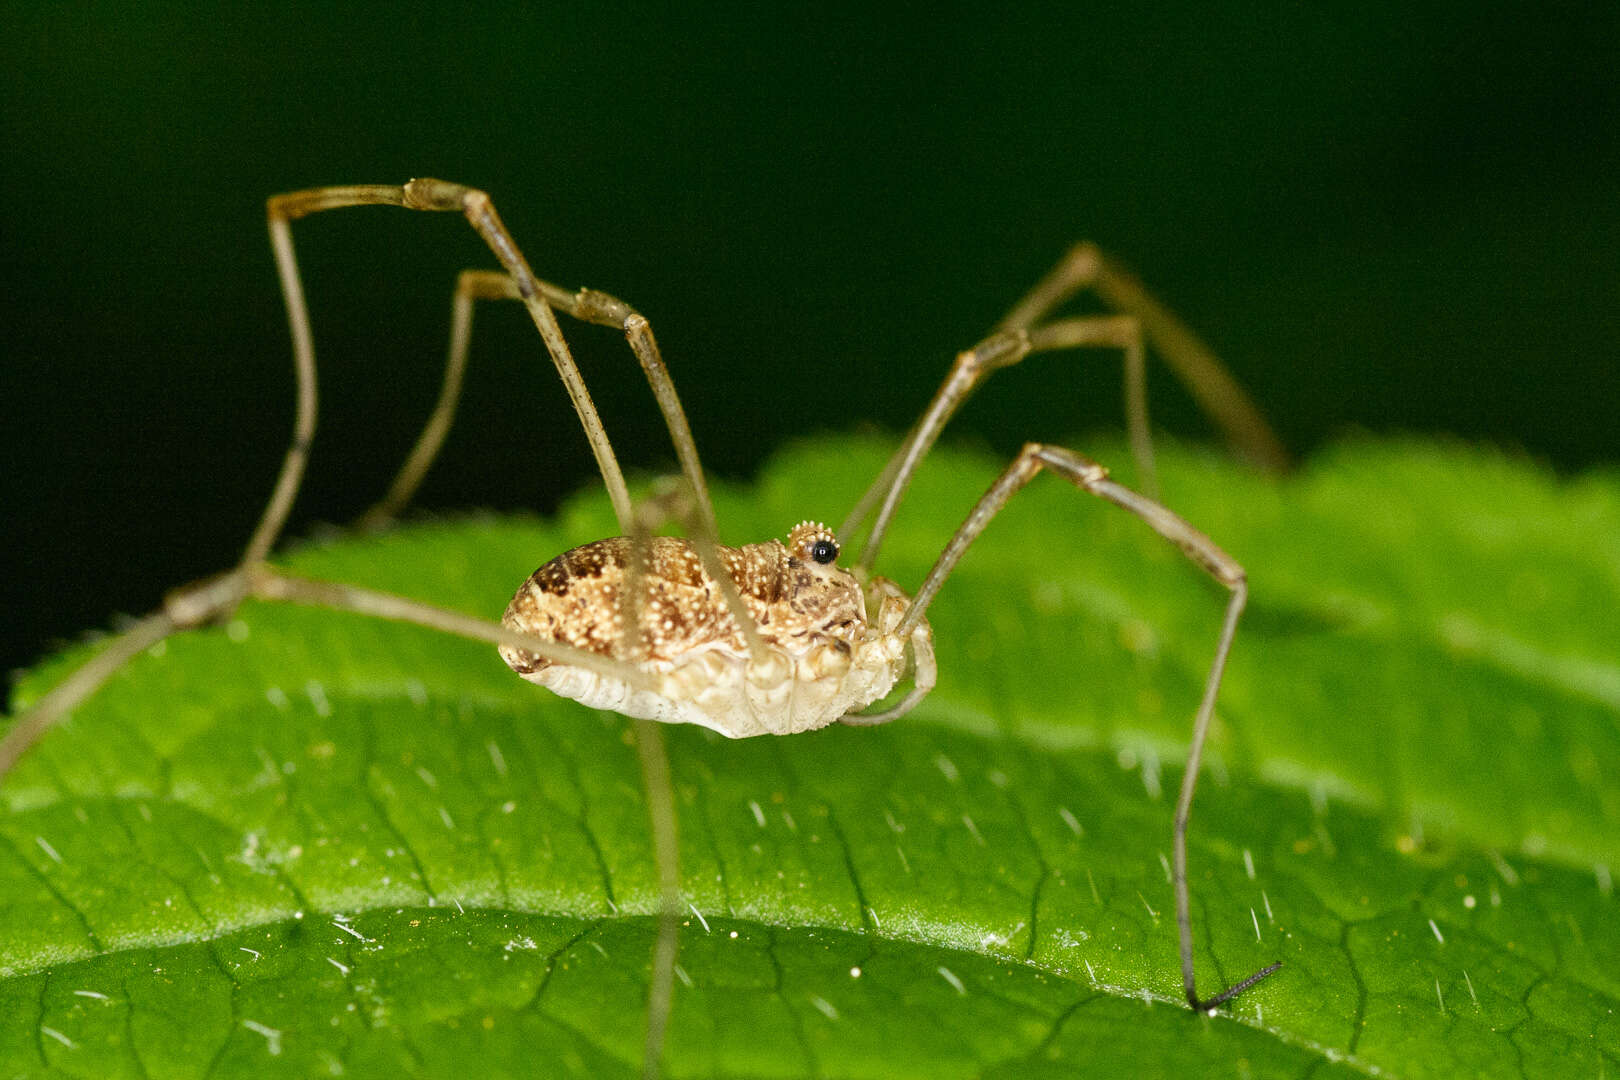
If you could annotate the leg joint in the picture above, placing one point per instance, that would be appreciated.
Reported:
(999, 350)
(203, 601)
(595, 306)
(1077, 468)
(289, 207)
(486, 285)
(1084, 260)
(426, 193)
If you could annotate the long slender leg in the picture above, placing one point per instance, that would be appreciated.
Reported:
(538, 297)
(1091, 477)
(1083, 266)
(587, 305)
(215, 598)
(428, 443)
(416, 195)
(267, 583)
(660, 788)
(421, 194)
(208, 600)
(972, 367)
(1195, 364)
(34, 722)
(675, 501)
(271, 584)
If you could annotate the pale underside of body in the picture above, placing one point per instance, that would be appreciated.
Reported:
(830, 647)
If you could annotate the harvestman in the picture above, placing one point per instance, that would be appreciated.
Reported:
(764, 638)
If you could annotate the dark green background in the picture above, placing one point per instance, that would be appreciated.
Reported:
(1389, 217)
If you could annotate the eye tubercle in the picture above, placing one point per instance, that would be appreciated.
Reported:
(811, 541)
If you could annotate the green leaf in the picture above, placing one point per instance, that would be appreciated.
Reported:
(313, 843)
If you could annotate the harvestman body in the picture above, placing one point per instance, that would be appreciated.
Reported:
(823, 656)
(762, 639)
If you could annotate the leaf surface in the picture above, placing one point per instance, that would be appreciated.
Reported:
(314, 843)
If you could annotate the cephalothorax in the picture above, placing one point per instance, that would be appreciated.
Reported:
(830, 647)
(765, 638)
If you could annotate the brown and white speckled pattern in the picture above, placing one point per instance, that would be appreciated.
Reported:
(825, 657)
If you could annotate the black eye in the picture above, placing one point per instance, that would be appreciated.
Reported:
(824, 551)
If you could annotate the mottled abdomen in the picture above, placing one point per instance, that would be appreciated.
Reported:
(824, 658)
